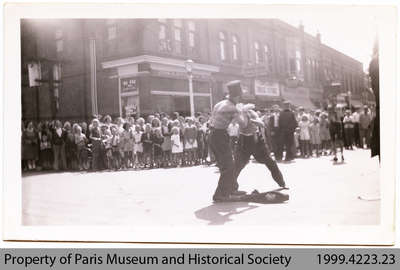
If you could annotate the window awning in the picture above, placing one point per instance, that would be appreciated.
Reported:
(299, 96)
(302, 102)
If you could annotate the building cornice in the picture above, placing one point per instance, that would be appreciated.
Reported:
(157, 60)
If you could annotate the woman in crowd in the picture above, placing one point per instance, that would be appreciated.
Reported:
(30, 142)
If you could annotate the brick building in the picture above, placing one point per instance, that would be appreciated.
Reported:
(102, 66)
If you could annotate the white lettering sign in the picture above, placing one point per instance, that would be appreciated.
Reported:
(266, 89)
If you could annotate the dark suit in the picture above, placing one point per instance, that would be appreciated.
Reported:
(275, 137)
(287, 124)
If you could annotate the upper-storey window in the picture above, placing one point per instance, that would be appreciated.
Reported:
(268, 57)
(111, 30)
(222, 46)
(235, 48)
(110, 42)
(59, 40)
(164, 45)
(177, 36)
(258, 54)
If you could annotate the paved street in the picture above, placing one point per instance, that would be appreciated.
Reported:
(320, 193)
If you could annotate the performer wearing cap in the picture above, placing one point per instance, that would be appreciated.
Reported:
(224, 112)
(251, 142)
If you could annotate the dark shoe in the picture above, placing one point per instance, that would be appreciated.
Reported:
(239, 192)
(226, 198)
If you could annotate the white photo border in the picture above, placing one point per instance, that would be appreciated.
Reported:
(382, 234)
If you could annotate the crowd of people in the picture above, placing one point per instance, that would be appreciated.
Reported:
(161, 140)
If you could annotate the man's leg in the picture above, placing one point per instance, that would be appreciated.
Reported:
(220, 146)
(288, 143)
(242, 158)
(261, 155)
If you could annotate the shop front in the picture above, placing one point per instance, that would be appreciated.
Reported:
(298, 97)
(267, 93)
(149, 84)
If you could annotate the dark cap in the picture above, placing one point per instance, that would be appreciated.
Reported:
(234, 88)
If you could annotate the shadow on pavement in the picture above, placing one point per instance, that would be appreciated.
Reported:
(220, 213)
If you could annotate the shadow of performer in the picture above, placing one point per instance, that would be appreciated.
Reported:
(220, 213)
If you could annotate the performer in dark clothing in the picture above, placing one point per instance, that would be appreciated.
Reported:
(223, 114)
(287, 124)
(251, 142)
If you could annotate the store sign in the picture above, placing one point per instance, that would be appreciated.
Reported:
(128, 85)
(266, 89)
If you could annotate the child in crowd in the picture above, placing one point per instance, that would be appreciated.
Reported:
(115, 146)
(200, 144)
(336, 133)
(95, 138)
(107, 149)
(126, 138)
(147, 146)
(157, 140)
(190, 138)
(45, 147)
(315, 137)
(176, 146)
(166, 146)
(324, 133)
(80, 142)
(138, 147)
(304, 136)
(296, 141)
(348, 130)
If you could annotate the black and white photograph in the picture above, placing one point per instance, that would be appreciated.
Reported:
(193, 122)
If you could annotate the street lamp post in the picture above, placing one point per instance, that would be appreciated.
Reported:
(189, 68)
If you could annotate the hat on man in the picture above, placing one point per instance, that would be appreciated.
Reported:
(234, 89)
(275, 107)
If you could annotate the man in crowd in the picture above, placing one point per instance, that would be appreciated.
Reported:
(224, 112)
(275, 133)
(365, 122)
(356, 122)
(251, 142)
(287, 124)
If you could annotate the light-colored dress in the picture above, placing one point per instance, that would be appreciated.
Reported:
(166, 145)
(324, 130)
(304, 130)
(176, 143)
(126, 141)
(314, 132)
(138, 146)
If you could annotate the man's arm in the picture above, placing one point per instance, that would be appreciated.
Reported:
(255, 119)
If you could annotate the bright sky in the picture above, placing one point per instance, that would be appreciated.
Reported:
(350, 30)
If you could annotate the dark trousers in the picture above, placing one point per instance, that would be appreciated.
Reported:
(220, 146)
(277, 145)
(288, 140)
(252, 145)
(356, 134)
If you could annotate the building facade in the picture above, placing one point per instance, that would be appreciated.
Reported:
(124, 66)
